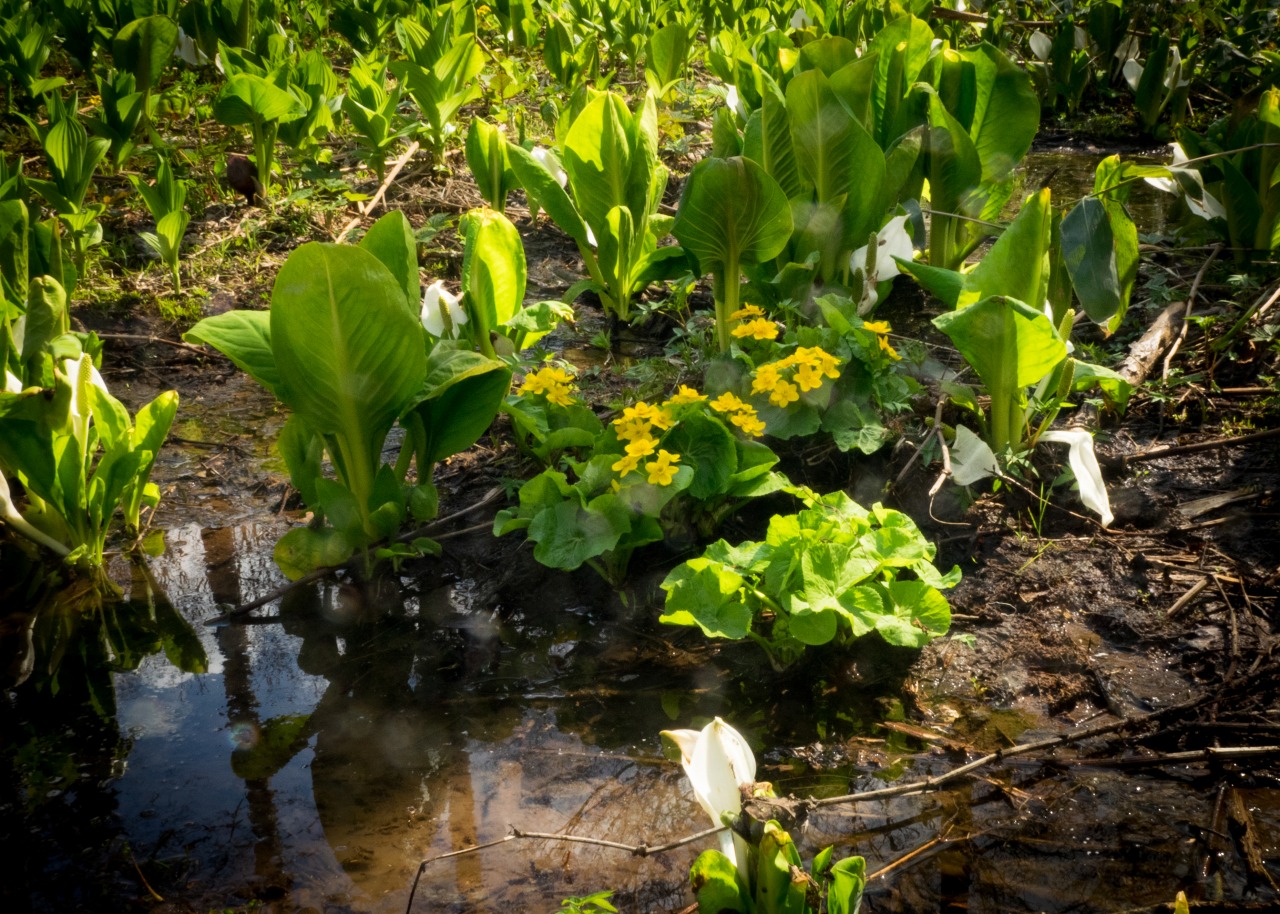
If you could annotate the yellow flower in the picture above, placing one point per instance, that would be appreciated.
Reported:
(881, 330)
(641, 447)
(784, 392)
(631, 429)
(749, 422)
(728, 402)
(555, 384)
(880, 327)
(662, 470)
(746, 313)
(884, 345)
(626, 464)
(767, 377)
(809, 377)
(685, 395)
(759, 329)
(560, 395)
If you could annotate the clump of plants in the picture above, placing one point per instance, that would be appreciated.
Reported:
(830, 573)
(658, 471)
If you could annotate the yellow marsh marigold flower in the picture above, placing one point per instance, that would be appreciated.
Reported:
(685, 395)
(759, 329)
(662, 470)
(746, 313)
(767, 378)
(729, 402)
(881, 330)
(641, 447)
(626, 464)
(631, 429)
(555, 384)
(784, 392)
(749, 422)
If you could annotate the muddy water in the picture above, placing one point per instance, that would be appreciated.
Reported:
(344, 737)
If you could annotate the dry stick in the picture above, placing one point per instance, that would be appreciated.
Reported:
(1185, 600)
(1186, 316)
(143, 338)
(377, 198)
(318, 573)
(1142, 356)
(1173, 449)
(638, 850)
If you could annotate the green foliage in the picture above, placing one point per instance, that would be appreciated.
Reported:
(343, 347)
(831, 573)
(608, 205)
(251, 100)
(77, 452)
(731, 212)
(658, 472)
(486, 152)
(441, 72)
(772, 879)
(73, 157)
(123, 108)
(373, 111)
(165, 199)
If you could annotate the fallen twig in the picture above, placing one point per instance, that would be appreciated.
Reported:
(377, 198)
(1216, 443)
(144, 338)
(1186, 315)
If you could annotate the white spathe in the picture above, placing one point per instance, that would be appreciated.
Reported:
(442, 312)
(719, 765)
(543, 157)
(10, 515)
(1084, 464)
(893, 240)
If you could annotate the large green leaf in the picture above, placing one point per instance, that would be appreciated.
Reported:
(1017, 264)
(350, 355)
(250, 99)
(732, 212)
(245, 338)
(460, 396)
(1088, 248)
(493, 269)
(391, 240)
(144, 46)
(541, 185)
(1010, 345)
(597, 157)
(1006, 112)
(707, 594)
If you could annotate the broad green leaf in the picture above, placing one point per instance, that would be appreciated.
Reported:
(1016, 266)
(848, 879)
(245, 338)
(1089, 252)
(1006, 112)
(304, 549)
(569, 534)
(918, 614)
(391, 240)
(493, 269)
(1010, 345)
(144, 47)
(705, 445)
(706, 594)
(14, 241)
(714, 879)
(460, 397)
(248, 99)
(597, 157)
(732, 212)
(543, 186)
(349, 353)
